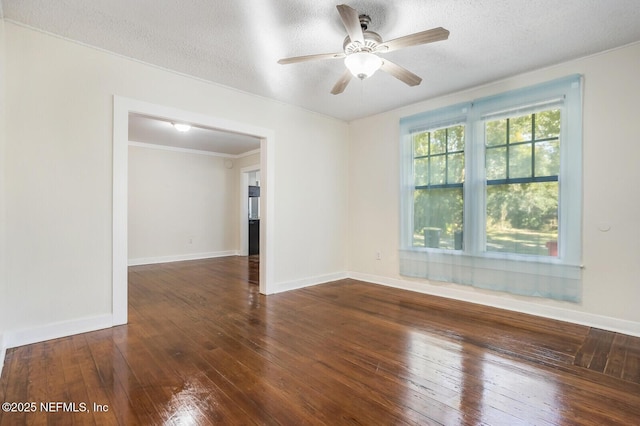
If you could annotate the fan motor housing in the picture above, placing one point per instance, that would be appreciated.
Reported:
(371, 39)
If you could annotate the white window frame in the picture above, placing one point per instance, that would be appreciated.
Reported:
(545, 276)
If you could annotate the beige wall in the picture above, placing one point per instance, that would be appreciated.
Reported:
(611, 174)
(59, 177)
(181, 206)
(3, 254)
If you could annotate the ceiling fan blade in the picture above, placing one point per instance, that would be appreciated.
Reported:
(351, 22)
(306, 58)
(400, 73)
(341, 84)
(423, 37)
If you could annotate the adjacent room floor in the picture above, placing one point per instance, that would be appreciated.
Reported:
(204, 347)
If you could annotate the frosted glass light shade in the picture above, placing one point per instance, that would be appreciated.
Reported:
(363, 64)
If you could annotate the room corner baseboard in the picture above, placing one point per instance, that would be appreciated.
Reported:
(511, 304)
(57, 330)
(311, 281)
(180, 257)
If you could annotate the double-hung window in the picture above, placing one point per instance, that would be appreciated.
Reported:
(522, 165)
(491, 192)
(438, 164)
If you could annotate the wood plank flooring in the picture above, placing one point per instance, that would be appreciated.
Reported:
(204, 347)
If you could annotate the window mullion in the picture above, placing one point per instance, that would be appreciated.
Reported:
(446, 156)
(508, 140)
(474, 187)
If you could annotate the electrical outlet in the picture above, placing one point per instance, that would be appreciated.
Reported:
(378, 255)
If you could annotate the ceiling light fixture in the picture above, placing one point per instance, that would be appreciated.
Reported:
(363, 64)
(181, 127)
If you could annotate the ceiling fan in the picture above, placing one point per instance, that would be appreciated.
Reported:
(361, 47)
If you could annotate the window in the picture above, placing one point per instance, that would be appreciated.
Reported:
(491, 192)
(522, 157)
(438, 163)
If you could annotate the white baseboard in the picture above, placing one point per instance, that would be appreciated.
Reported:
(180, 257)
(57, 330)
(308, 282)
(506, 302)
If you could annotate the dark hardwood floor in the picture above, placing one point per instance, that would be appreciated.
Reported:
(204, 347)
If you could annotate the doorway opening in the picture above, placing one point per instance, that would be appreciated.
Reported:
(250, 190)
(123, 107)
(250, 219)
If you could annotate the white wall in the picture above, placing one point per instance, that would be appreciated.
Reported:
(59, 113)
(611, 173)
(181, 206)
(3, 254)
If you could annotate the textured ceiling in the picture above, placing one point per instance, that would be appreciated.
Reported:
(237, 43)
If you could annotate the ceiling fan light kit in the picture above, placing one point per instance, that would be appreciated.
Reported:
(363, 64)
(361, 46)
